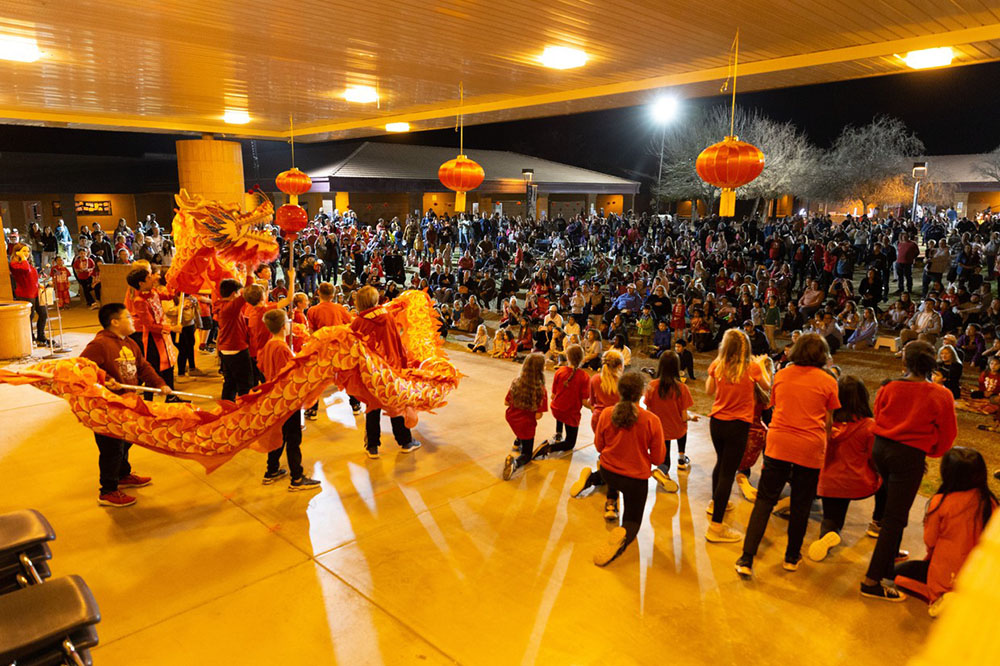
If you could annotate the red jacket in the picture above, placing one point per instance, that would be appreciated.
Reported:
(327, 313)
(633, 451)
(121, 359)
(847, 470)
(568, 394)
(917, 413)
(25, 279)
(150, 323)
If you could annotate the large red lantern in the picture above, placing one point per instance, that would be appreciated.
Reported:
(291, 219)
(293, 182)
(729, 164)
(461, 175)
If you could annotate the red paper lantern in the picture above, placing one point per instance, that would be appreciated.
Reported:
(291, 219)
(461, 175)
(729, 164)
(293, 182)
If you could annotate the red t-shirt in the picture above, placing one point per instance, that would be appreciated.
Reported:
(734, 402)
(670, 410)
(631, 451)
(568, 395)
(234, 335)
(259, 335)
(918, 414)
(327, 313)
(599, 400)
(523, 421)
(801, 395)
(273, 356)
(847, 469)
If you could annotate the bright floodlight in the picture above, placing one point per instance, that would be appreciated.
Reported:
(19, 49)
(236, 117)
(397, 127)
(927, 58)
(665, 109)
(563, 57)
(361, 94)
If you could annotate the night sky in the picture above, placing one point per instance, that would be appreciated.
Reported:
(953, 110)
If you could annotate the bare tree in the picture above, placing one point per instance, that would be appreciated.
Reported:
(863, 159)
(989, 166)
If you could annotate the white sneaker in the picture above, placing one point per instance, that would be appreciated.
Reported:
(580, 484)
(666, 483)
(938, 605)
(820, 547)
(746, 488)
(722, 534)
(711, 507)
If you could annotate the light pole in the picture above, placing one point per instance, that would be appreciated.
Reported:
(528, 175)
(664, 110)
(919, 173)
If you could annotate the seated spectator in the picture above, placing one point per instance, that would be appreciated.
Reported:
(949, 369)
(812, 299)
(972, 344)
(866, 333)
(593, 350)
(618, 344)
(471, 315)
(758, 341)
(925, 325)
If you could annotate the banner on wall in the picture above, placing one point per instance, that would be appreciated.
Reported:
(532, 201)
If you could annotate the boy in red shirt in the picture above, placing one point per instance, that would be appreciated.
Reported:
(258, 306)
(234, 340)
(152, 328)
(121, 362)
(327, 313)
(275, 355)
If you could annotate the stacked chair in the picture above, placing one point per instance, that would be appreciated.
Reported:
(42, 622)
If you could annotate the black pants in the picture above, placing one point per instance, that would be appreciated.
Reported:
(237, 373)
(730, 441)
(913, 569)
(901, 468)
(681, 447)
(185, 349)
(773, 477)
(570, 441)
(112, 461)
(38, 310)
(687, 365)
(634, 492)
(593, 364)
(835, 511)
(152, 354)
(291, 444)
(373, 429)
(904, 275)
(87, 287)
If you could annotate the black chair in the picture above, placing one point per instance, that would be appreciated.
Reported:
(24, 550)
(46, 625)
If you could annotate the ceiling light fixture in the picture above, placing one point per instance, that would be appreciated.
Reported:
(19, 49)
(927, 58)
(562, 57)
(236, 117)
(361, 94)
(397, 127)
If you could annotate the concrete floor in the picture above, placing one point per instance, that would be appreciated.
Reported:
(430, 557)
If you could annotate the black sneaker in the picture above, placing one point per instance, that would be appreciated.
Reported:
(303, 483)
(311, 414)
(882, 593)
(996, 475)
(410, 447)
(356, 409)
(271, 477)
(372, 452)
(542, 451)
(516, 448)
(744, 567)
(610, 510)
(558, 437)
(509, 467)
(683, 463)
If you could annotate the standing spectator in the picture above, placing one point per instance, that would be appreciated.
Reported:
(26, 288)
(906, 253)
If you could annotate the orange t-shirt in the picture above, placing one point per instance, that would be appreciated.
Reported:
(670, 409)
(801, 396)
(734, 402)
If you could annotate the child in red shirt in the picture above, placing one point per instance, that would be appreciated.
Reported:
(60, 278)
(299, 304)
(273, 356)
(669, 399)
(570, 394)
(603, 394)
(630, 441)
(526, 402)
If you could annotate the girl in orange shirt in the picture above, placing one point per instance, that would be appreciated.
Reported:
(731, 380)
(526, 402)
(603, 394)
(669, 399)
(570, 394)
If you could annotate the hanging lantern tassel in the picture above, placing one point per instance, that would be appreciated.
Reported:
(727, 203)
(459, 202)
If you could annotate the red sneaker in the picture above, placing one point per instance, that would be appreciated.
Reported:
(134, 481)
(116, 499)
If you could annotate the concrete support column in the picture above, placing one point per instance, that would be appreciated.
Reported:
(342, 202)
(415, 202)
(212, 169)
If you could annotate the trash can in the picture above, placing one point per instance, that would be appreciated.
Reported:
(15, 329)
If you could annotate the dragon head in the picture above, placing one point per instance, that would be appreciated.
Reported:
(236, 236)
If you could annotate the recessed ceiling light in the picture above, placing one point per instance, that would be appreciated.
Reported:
(236, 117)
(563, 57)
(361, 94)
(926, 58)
(397, 127)
(19, 49)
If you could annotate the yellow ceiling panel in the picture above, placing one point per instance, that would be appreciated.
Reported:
(165, 65)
